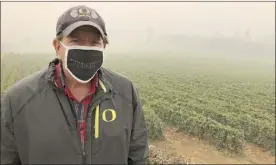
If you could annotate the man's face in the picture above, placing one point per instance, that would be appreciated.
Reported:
(82, 36)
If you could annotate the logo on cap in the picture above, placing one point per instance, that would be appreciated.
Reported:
(83, 12)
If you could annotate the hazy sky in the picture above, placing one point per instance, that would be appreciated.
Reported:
(37, 20)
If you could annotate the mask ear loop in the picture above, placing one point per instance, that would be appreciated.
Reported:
(65, 55)
(63, 44)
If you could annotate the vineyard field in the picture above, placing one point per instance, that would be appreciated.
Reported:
(225, 101)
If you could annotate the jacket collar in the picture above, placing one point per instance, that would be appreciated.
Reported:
(50, 75)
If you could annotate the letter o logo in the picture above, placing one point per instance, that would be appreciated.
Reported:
(113, 114)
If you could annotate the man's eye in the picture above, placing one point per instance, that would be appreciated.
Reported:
(75, 40)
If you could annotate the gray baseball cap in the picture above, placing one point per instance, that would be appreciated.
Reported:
(78, 16)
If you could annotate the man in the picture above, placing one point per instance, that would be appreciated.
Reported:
(75, 111)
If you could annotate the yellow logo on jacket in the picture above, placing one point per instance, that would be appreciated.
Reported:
(113, 115)
(104, 118)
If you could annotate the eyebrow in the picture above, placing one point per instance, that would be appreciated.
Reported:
(97, 36)
(73, 35)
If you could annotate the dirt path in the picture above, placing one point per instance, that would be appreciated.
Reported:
(199, 152)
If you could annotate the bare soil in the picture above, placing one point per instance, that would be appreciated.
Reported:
(180, 148)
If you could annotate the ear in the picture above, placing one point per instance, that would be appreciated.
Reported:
(56, 46)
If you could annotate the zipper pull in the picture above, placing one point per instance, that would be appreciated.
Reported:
(83, 157)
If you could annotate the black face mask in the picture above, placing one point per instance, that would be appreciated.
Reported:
(83, 62)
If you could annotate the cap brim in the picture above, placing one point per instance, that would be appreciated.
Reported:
(75, 25)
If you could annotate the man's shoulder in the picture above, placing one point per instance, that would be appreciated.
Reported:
(120, 83)
(116, 77)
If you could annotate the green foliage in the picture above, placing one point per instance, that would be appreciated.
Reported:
(154, 124)
(223, 102)
(192, 123)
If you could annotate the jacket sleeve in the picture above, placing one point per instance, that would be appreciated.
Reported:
(138, 151)
(8, 146)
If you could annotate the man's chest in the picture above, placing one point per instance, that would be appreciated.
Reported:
(106, 115)
(49, 126)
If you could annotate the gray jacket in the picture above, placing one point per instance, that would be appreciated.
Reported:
(38, 127)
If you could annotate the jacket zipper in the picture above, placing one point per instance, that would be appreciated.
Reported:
(68, 122)
(83, 157)
(82, 144)
(83, 147)
(93, 104)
